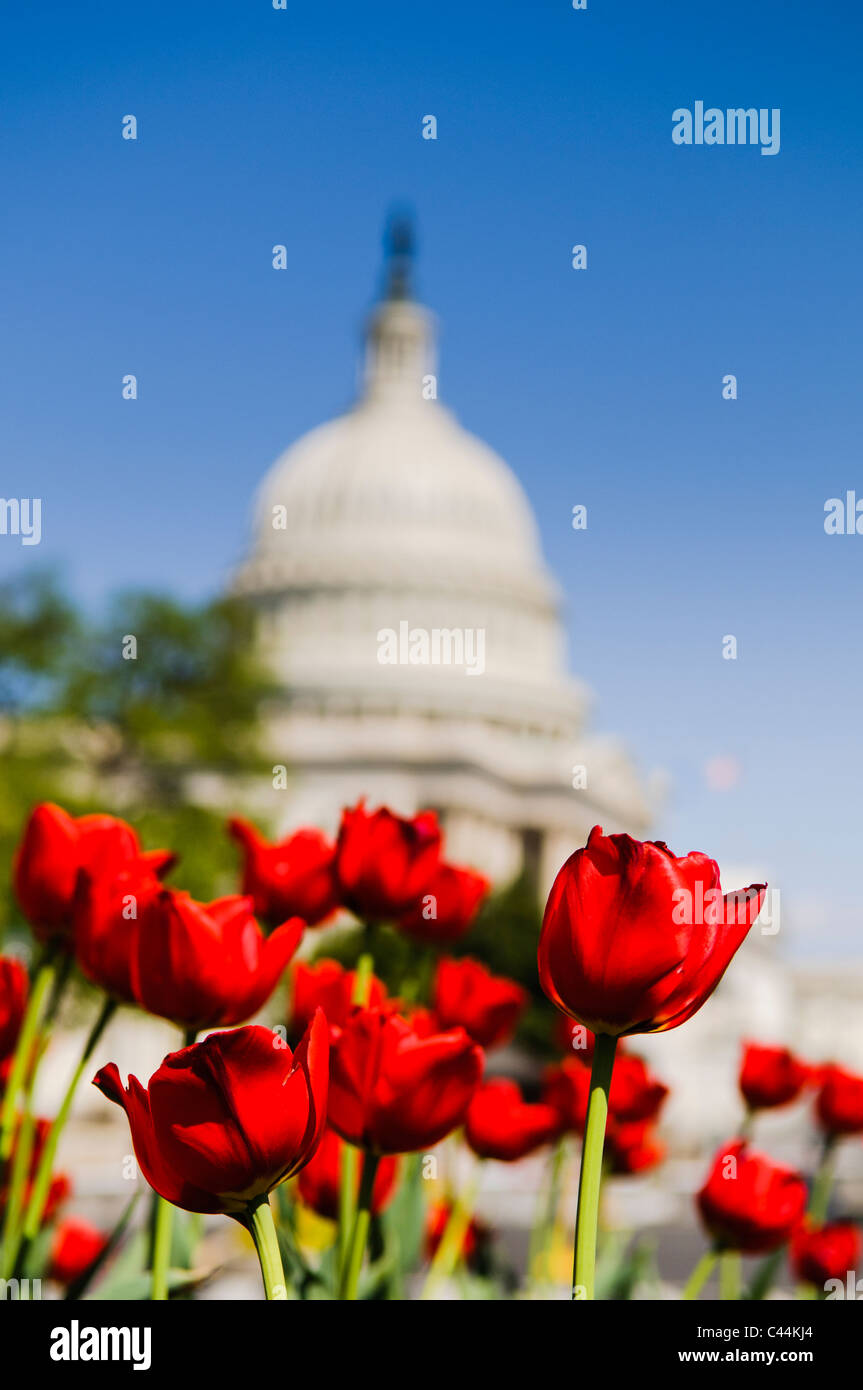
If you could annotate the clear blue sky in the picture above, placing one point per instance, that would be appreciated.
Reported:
(302, 126)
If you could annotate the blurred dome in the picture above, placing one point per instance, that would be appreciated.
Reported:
(393, 512)
(392, 518)
(396, 492)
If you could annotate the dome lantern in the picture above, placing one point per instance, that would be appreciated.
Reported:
(400, 352)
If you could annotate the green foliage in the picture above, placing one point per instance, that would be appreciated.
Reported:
(189, 697)
(208, 864)
(83, 725)
(39, 630)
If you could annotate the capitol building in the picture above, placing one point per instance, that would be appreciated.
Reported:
(392, 523)
(406, 610)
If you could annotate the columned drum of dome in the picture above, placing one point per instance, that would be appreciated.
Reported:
(405, 607)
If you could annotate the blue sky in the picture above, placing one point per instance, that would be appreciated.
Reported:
(302, 126)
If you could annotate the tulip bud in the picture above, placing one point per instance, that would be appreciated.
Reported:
(384, 861)
(395, 1091)
(635, 939)
(771, 1076)
(501, 1125)
(293, 878)
(207, 965)
(13, 1002)
(839, 1106)
(487, 1006)
(749, 1203)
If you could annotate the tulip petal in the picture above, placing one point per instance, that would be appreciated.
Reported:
(160, 1175)
(696, 986)
(265, 960)
(195, 1125)
(634, 939)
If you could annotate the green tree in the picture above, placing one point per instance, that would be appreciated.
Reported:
(86, 723)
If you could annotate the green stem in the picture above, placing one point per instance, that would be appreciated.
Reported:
(700, 1275)
(42, 1182)
(15, 1198)
(353, 1264)
(362, 979)
(729, 1276)
(61, 980)
(819, 1198)
(162, 1234)
(584, 1264)
(347, 1193)
(263, 1229)
(163, 1228)
(348, 1155)
(42, 984)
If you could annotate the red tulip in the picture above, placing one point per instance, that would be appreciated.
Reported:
(423, 1021)
(476, 1237)
(501, 1124)
(487, 1006)
(292, 878)
(839, 1106)
(771, 1076)
(821, 1253)
(13, 1002)
(226, 1120)
(318, 1183)
(636, 1095)
(749, 1203)
(632, 1148)
(451, 900)
(384, 862)
(106, 914)
(55, 847)
(395, 1091)
(327, 985)
(634, 939)
(59, 1191)
(566, 1086)
(76, 1245)
(207, 965)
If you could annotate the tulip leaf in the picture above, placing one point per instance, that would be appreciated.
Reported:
(764, 1277)
(79, 1286)
(38, 1256)
(376, 1277)
(137, 1288)
(623, 1266)
(129, 1279)
(403, 1221)
(130, 1262)
(301, 1277)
